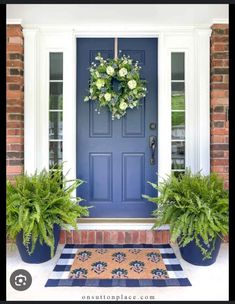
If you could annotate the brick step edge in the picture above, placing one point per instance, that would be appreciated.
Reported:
(114, 237)
(117, 237)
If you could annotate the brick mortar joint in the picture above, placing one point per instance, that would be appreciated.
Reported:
(213, 34)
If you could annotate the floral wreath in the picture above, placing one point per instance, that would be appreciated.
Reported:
(130, 88)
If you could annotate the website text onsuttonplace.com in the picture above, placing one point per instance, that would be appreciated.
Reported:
(120, 297)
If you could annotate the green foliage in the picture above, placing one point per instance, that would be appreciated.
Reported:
(36, 202)
(193, 205)
(178, 119)
(177, 102)
(131, 87)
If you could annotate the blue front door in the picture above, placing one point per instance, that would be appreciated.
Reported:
(114, 156)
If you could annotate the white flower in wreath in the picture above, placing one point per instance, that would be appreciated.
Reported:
(132, 84)
(110, 70)
(97, 74)
(122, 72)
(107, 96)
(135, 103)
(123, 106)
(99, 83)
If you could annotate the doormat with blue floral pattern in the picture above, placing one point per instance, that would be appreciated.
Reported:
(129, 265)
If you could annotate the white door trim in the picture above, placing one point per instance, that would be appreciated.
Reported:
(193, 41)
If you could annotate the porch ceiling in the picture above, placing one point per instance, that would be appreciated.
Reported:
(149, 15)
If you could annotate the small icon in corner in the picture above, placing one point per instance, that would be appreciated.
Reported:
(21, 279)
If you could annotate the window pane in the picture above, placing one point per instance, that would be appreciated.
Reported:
(56, 66)
(178, 155)
(177, 164)
(177, 66)
(178, 125)
(177, 96)
(178, 102)
(56, 125)
(56, 95)
(177, 88)
(178, 174)
(53, 166)
(55, 152)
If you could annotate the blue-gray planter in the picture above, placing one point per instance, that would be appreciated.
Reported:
(192, 253)
(42, 253)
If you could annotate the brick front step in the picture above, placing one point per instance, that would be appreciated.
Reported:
(118, 237)
(114, 237)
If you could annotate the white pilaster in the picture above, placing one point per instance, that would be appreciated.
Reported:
(202, 92)
(164, 109)
(69, 108)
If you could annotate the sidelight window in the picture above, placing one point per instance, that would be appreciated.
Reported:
(56, 109)
(177, 112)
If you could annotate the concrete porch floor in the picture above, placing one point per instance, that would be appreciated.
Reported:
(208, 283)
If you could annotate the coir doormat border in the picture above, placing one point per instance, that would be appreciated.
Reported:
(59, 276)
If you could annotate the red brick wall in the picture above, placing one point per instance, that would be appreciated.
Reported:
(219, 101)
(15, 101)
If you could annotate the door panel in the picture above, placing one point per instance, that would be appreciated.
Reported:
(113, 157)
(134, 122)
(99, 125)
(133, 176)
(101, 189)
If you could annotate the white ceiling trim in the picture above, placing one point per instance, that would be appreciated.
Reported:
(115, 27)
(126, 15)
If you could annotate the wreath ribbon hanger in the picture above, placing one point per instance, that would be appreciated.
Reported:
(115, 48)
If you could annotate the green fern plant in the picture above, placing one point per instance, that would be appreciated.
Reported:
(194, 206)
(36, 202)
